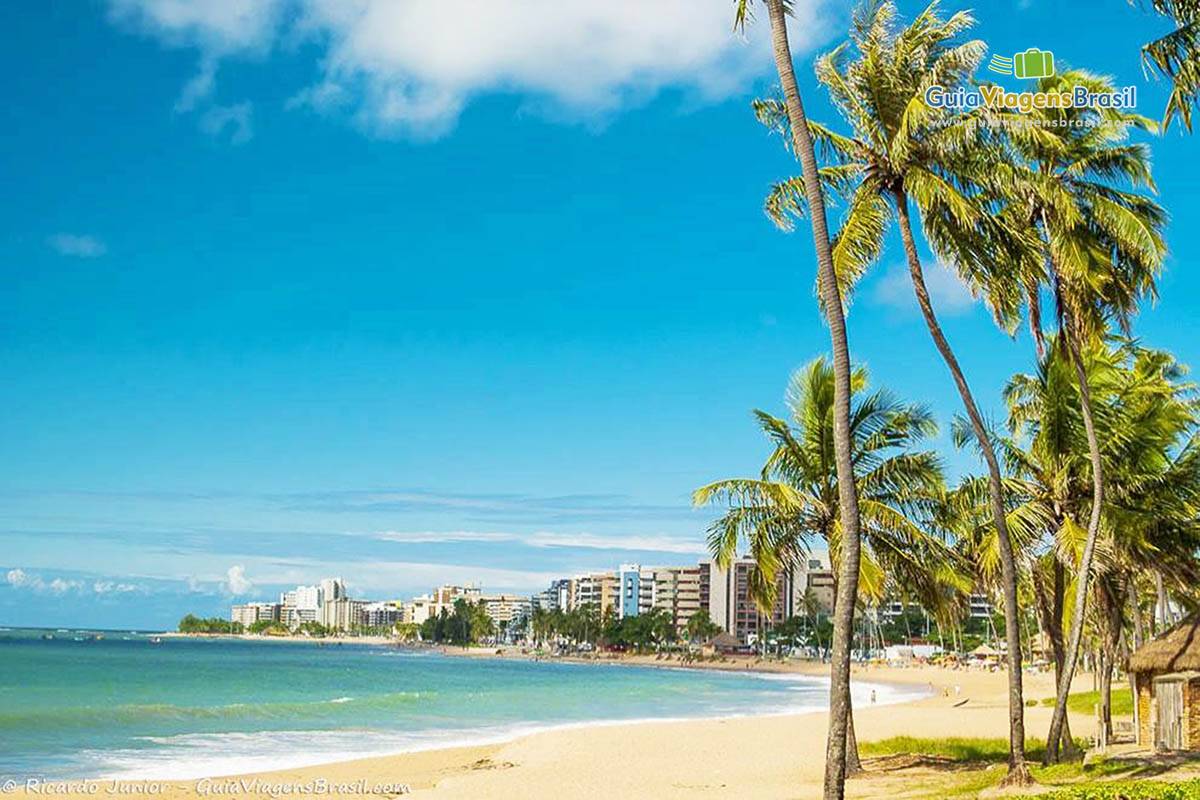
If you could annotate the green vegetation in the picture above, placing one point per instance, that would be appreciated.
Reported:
(700, 627)
(467, 624)
(970, 766)
(1086, 702)
(194, 624)
(1085, 526)
(1128, 790)
(958, 749)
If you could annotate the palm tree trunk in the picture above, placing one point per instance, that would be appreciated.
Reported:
(1164, 602)
(802, 145)
(1089, 548)
(1018, 770)
(853, 762)
(1035, 322)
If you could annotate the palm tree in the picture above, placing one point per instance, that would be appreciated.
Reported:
(1146, 423)
(1101, 247)
(1177, 56)
(795, 500)
(831, 301)
(901, 149)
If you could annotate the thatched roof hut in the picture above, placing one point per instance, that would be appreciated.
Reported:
(1177, 650)
(723, 642)
(1167, 675)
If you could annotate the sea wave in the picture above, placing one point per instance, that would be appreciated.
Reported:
(130, 713)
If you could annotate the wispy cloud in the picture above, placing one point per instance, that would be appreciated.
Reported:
(633, 542)
(77, 245)
(235, 118)
(20, 579)
(947, 292)
(410, 68)
(514, 508)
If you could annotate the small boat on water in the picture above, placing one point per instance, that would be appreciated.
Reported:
(48, 636)
(155, 640)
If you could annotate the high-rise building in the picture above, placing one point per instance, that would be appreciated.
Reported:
(730, 604)
(812, 584)
(417, 610)
(249, 613)
(677, 590)
(342, 614)
(629, 598)
(332, 589)
(506, 610)
(380, 615)
(597, 588)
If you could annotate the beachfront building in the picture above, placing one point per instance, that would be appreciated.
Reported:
(981, 606)
(629, 578)
(249, 613)
(729, 604)
(597, 588)
(417, 610)
(342, 614)
(506, 610)
(380, 614)
(510, 614)
(331, 589)
(812, 583)
(1166, 673)
(557, 596)
(677, 591)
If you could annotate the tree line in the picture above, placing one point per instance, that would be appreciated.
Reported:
(1049, 218)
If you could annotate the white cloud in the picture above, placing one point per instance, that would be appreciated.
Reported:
(236, 117)
(661, 544)
(946, 291)
(200, 87)
(236, 582)
(110, 587)
(80, 246)
(217, 26)
(411, 66)
(20, 579)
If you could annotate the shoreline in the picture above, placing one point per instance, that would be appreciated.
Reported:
(762, 755)
(767, 752)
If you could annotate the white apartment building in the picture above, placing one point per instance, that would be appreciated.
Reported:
(249, 613)
(505, 609)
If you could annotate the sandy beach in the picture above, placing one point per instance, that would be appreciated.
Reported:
(760, 757)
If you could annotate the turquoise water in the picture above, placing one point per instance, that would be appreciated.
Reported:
(74, 706)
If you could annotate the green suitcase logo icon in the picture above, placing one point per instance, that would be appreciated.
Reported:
(1033, 63)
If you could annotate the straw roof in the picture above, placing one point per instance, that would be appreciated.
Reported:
(984, 651)
(1176, 650)
(724, 639)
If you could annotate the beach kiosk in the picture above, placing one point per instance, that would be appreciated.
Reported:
(722, 643)
(984, 656)
(1166, 673)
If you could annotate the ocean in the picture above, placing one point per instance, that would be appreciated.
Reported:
(121, 706)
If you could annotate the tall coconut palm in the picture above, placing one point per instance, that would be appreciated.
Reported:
(831, 301)
(794, 503)
(1144, 418)
(1177, 56)
(1073, 189)
(903, 151)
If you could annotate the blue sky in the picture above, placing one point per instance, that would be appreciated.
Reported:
(297, 288)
